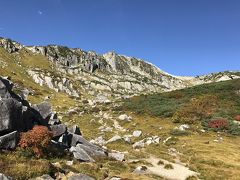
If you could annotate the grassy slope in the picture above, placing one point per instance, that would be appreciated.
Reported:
(214, 160)
(166, 104)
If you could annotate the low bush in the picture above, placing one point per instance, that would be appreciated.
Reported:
(222, 124)
(198, 108)
(219, 124)
(36, 140)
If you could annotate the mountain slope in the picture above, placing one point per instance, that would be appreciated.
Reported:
(77, 72)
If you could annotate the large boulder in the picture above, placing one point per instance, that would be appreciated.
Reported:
(5, 88)
(45, 109)
(81, 154)
(10, 115)
(77, 139)
(9, 141)
(93, 151)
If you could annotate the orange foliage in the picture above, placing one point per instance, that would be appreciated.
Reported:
(36, 139)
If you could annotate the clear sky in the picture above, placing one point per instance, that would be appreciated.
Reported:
(182, 37)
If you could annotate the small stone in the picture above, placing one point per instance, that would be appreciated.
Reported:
(114, 138)
(69, 163)
(140, 170)
(119, 156)
(137, 133)
(125, 117)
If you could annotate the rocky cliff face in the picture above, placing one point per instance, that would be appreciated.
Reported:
(94, 72)
(77, 72)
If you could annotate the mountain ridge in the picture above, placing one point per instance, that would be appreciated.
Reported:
(80, 70)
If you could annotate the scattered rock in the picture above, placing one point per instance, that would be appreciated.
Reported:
(146, 141)
(119, 156)
(183, 127)
(125, 117)
(141, 170)
(114, 138)
(127, 138)
(99, 140)
(69, 163)
(139, 144)
(137, 133)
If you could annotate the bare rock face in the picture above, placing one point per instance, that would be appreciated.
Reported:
(10, 115)
(9, 45)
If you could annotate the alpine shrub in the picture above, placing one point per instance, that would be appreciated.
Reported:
(37, 140)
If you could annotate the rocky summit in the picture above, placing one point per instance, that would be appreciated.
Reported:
(66, 113)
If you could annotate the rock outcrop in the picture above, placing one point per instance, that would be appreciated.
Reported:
(16, 116)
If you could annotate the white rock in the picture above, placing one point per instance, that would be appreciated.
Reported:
(69, 163)
(127, 138)
(137, 133)
(139, 144)
(125, 117)
(119, 156)
(99, 140)
(183, 127)
(114, 138)
(141, 170)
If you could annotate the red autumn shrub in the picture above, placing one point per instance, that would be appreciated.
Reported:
(37, 140)
(237, 118)
(218, 124)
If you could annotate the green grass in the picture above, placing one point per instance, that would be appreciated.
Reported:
(167, 104)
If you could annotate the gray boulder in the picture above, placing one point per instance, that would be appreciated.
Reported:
(58, 130)
(9, 141)
(10, 115)
(77, 139)
(44, 108)
(93, 151)
(74, 130)
(119, 156)
(81, 154)
(5, 88)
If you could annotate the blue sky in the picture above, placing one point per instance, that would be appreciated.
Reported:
(182, 37)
